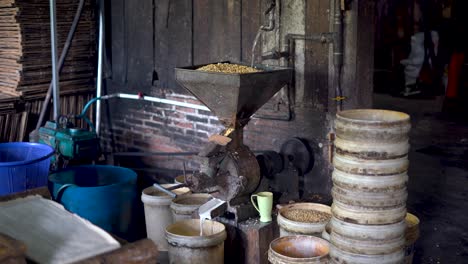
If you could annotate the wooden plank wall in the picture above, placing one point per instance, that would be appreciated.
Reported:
(316, 55)
(151, 37)
(217, 30)
(172, 39)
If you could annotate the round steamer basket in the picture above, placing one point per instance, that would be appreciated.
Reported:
(372, 125)
(368, 232)
(289, 227)
(368, 215)
(342, 257)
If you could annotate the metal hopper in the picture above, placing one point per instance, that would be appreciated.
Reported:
(234, 98)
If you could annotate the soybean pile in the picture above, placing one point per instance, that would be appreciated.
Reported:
(228, 68)
(306, 216)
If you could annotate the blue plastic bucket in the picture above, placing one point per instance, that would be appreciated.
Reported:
(23, 166)
(104, 195)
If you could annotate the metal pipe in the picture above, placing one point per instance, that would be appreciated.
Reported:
(338, 50)
(271, 17)
(145, 154)
(338, 35)
(162, 101)
(168, 154)
(335, 38)
(146, 98)
(53, 45)
(290, 39)
(164, 190)
(66, 48)
(137, 97)
(99, 69)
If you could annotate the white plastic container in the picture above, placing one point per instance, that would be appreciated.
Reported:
(183, 207)
(158, 214)
(186, 246)
(289, 227)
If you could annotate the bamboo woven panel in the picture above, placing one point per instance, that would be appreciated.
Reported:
(25, 56)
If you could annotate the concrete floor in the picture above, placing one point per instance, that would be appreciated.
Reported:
(438, 185)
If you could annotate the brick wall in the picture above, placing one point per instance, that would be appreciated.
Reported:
(141, 126)
(151, 127)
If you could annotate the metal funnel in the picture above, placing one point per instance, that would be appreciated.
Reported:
(233, 98)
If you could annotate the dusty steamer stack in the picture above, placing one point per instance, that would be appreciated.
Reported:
(369, 186)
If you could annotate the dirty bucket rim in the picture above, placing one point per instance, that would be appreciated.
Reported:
(196, 241)
(412, 220)
(354, 115)
(178, 178)
(44, 147)
(162, 196)
(176, 202)
(314, 238)
(222, 228)
(130, 178)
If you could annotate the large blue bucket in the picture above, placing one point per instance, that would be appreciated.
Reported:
(23, 166)
(104, 195)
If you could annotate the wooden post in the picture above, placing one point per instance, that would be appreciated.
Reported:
(357, 79)
(256, 237)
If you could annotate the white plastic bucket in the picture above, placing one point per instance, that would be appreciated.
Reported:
(183, 207)
(158, 214)
(186, 246)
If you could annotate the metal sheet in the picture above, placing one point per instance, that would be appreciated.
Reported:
(234, 97)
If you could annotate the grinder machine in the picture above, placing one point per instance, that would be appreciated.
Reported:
(228, 168)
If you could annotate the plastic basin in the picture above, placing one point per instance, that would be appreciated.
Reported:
(23, 166)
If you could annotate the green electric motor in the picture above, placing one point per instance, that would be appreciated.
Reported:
(71, 144)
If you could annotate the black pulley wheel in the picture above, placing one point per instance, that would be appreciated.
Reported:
(299, 154)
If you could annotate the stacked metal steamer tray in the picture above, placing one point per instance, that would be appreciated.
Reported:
(369, 186)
